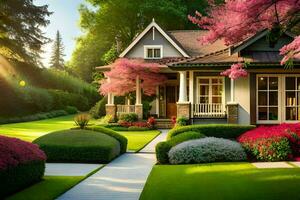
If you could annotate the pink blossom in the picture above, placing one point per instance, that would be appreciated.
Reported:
(291, 51)
(121, 80)
(236, 71)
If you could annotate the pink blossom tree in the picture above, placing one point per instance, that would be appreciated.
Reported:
(236, 20)
(121, 79)
(236, 71)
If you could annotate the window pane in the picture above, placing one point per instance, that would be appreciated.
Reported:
(273, 113)
(204, 90)
(150, 53)
(217, 100)
(157, 53)
(273, 83)
(262, 98)
(273, 98)
(262, 83)
(290, 83)
(263, 113)
(290, 98)
(291, 113)
(217, 81)
(203, 81)
(203, 99)
(298, 83)
(217, 89)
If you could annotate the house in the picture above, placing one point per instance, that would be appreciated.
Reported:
(195, 89)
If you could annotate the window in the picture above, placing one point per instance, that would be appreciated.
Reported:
(292, 98)
(153, 51)
(267, 98)
(210, 90)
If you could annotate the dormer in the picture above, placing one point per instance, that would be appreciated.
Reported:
(154, 43)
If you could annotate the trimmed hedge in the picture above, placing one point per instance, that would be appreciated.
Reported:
(122, 140)
(162, 149)
(17, 178)
(207, 150)
(79, 146)
(213, 130)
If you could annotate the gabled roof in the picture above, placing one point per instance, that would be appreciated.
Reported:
(153, 24)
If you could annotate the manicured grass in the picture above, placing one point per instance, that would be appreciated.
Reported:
(138, 139)
(221, 181)
(29, 131)
(50, 188)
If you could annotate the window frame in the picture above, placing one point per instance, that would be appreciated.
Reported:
(147, 47)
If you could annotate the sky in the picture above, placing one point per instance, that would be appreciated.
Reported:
(65, 18)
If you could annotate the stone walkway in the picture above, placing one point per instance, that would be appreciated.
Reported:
(70, 169)
(124, 178)
(267, 165)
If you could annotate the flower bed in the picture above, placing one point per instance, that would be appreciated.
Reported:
(21, 164)
(272, 143)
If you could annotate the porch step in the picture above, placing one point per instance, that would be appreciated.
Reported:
(164, 123)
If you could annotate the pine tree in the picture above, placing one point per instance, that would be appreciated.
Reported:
(57, 60)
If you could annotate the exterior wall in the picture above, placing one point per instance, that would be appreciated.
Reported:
(138, 50)
(242, 97)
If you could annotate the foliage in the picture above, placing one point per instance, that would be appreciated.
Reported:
(138, 128)
(128, 117)
(272, 140)
(79, 146)
(34, 117)
(57, 57)
(71, 109)
(98, 110)
(82, 120)
(236, 71)
(111, 55)
(122, 140)
(151, 122)
(162, 149)
(235, 21)
(20, 29)
(105, 120)
(21, 176)
(213, 130)
(291, 51)
(148, 74)
(207, 150)
(182, 121)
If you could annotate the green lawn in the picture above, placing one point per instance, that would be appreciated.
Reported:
(48, 189)
(222, 181)
(138, 139)
(29, 131)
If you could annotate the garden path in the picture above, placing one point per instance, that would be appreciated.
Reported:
(70, 169)
(123, 178)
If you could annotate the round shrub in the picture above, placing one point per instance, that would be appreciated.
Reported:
(21, 164)
(71, 110)
(128, 117)
(207, 150)
(79, 146)
(162, 149)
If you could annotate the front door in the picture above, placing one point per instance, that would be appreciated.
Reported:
(171, 98)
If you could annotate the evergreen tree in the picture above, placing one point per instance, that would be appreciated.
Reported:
(57, 60)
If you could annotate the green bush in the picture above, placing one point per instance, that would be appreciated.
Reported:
(182, 121)
(129, 117)
(98, 110)
(136, 128)
(162, 149)
(79, 146)
(122, 140)
(71, 110)
(16, 178)
(213, 130)
(119, 128)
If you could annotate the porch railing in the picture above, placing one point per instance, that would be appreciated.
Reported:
(208, 110)
(121, 109)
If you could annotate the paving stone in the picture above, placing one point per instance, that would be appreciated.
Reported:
(297, 163)
(264, 165)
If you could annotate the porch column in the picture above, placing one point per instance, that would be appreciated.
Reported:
(232, 106)
(110, 107)
(191, 90)
(183, 106)
(157, 101)
(138, 101)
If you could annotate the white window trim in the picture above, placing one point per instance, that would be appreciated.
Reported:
(210, 90)
(146, 47)
(281, 99)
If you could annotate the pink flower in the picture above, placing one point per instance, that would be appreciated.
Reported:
(291, 51)
(236, 71)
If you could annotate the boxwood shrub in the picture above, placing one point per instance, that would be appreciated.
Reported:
(79, 146)
(162, 149)
(213, 130)
(207, 150)
(122, 140)
(21, 164)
